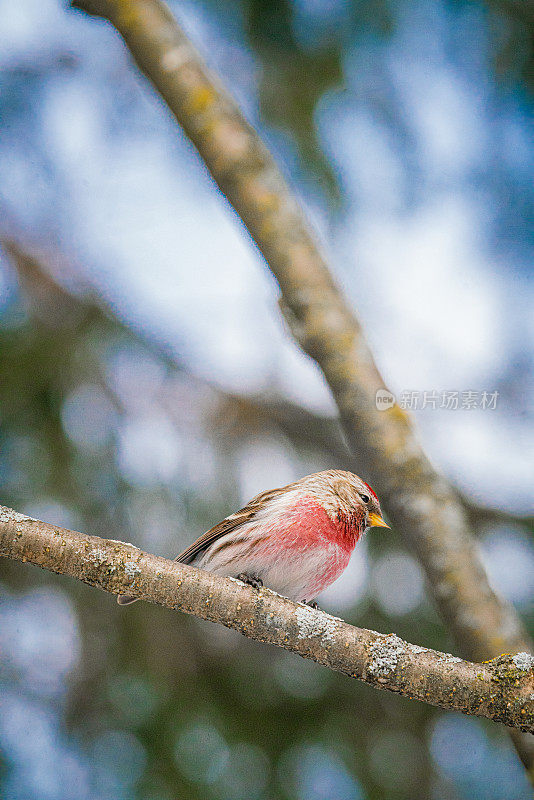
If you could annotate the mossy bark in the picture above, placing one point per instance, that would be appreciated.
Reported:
(502, 690)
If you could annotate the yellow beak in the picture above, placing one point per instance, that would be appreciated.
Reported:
(376, 521)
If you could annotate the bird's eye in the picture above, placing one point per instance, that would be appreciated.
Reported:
(365, 498)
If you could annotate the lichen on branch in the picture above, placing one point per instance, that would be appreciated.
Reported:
(501, 690)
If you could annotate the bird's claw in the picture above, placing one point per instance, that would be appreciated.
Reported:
(251, 580)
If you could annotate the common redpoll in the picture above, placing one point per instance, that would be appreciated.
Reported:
(296, 540)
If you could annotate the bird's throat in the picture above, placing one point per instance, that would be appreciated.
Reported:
(351, 527)
(339, 527)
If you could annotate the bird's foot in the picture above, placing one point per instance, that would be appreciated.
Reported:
(251, 580)
(312, 604)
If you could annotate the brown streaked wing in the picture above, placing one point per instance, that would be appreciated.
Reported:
(230, 523)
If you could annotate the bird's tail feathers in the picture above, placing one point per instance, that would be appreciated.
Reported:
(125, 599)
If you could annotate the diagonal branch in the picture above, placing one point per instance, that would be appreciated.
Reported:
(420, 503)
(501, 690)
(239, 412)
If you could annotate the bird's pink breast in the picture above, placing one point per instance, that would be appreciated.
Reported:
(297, 549)
(307, 524)
(308, 552)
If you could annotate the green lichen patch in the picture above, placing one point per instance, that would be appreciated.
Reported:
(510, 669)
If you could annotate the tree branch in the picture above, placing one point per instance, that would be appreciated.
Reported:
(420, 503)
(240, 412)
(480, 515)
(501, 690)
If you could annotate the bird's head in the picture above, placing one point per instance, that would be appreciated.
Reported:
(346, 497)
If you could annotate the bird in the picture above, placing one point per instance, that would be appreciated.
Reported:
(295, 540)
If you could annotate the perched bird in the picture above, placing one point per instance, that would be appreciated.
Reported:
(296, 540)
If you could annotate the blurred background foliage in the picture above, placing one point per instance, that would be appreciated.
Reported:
(147, 388)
